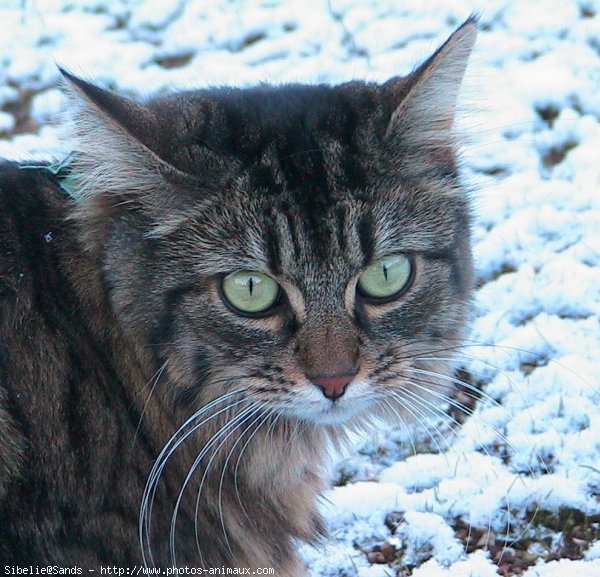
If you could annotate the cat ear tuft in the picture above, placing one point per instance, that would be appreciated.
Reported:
(114, 138)
(425, 101)
(119, 111)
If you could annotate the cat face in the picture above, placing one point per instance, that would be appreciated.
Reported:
(303, 247)
(283, 292)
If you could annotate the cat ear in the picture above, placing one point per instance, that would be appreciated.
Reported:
(115, 164)
(425, 101)
(115, 140)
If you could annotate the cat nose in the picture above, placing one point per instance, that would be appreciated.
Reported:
(333, 387)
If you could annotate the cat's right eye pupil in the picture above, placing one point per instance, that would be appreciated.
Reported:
(250, 292)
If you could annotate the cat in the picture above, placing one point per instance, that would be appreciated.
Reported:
(213, 288)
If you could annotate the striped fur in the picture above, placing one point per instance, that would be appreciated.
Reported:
(127, 383)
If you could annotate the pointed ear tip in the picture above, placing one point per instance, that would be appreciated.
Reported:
(463, 38)
(472, 20)
(70, 79)
(469, 26)
(64, 72)
(75, 85)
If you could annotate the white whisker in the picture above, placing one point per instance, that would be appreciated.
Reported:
(264, 419)
(431, 407)
(239, 460)
(154, 380)
(232, 424)
(403, 422)
(419, 415)
(500, 435)
(247, 414)
(168, 450)
(470, 413)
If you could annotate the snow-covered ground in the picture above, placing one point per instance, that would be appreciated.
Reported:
(515, 487)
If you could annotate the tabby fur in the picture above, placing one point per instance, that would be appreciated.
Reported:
(120, 361)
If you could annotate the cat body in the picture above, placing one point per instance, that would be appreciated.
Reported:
(214, 287)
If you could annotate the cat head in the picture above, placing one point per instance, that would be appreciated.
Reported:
(306, 247)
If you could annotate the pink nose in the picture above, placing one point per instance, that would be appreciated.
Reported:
(333, 387)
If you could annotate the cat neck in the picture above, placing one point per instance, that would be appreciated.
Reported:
(271, 505)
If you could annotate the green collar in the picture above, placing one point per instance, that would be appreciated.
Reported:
(61, 170)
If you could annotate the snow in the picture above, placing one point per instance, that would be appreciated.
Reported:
(565, 567)
(7, 121)
(530, 115)
(476, 565)
(47, 105)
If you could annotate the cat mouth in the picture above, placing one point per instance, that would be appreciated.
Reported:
(339, 411)
(326, 412)
(336, 414)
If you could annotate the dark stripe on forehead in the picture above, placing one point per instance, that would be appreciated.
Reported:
(303, 167)
(342, 233)
(347, 152)
(272, 246)
(365, 231)
(292, 232)
(355, 177)
(304, 234)
(263, 179)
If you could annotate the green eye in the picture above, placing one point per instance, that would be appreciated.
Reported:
(385, 277)
(250, 292)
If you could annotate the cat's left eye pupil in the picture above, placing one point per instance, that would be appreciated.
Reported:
(386, 277)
